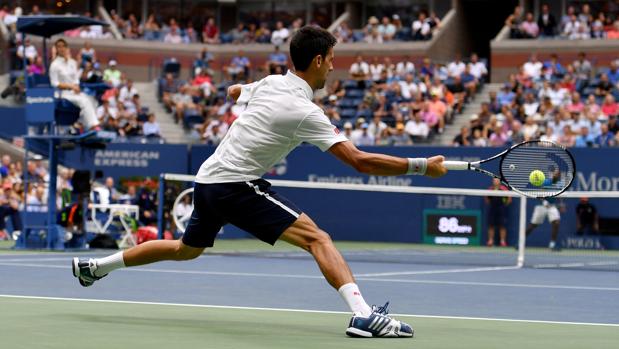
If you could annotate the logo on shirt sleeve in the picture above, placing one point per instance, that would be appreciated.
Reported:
(336, 130)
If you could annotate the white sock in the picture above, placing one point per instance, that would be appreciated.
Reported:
(107, 264)
(352, 296)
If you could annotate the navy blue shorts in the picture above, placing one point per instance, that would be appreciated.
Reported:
(251, 206)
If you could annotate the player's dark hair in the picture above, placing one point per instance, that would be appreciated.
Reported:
(307, 43)
(61, 40)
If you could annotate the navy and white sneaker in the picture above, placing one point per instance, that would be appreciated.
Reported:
(378, 324)
(84, 271)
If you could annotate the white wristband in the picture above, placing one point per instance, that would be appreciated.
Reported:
(417, 166)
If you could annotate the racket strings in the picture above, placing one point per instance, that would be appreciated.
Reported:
(551, 159)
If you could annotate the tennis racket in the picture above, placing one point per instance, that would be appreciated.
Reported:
(518, 162)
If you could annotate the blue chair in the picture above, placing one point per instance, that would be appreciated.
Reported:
(192, 118)
(171, 65)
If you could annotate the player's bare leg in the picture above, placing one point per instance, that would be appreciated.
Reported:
(90, 270)
(160, 250)
(490, 236)
(503, 235)
(305, 233)
(366, 321)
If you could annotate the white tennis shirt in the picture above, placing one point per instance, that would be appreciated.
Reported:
(279, 116)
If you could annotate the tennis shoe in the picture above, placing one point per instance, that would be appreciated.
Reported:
(84, 271)
(378, 324)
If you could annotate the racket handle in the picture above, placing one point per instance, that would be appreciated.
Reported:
(456, 165)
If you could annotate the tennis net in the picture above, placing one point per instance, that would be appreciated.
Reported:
(440, 226)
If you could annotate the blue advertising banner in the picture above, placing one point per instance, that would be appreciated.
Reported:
(129, 159)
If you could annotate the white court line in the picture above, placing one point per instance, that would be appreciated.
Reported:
(300, 310)
(444, 271)
(296, 276)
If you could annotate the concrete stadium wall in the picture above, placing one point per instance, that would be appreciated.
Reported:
(508, 55)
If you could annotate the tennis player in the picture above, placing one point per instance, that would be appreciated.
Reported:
(278, 117)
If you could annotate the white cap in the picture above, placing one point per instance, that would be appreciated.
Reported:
(348, 124)
(112, 62)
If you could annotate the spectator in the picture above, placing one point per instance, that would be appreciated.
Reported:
(173, 37)
(277, 63)
(63, 75)
(151, 28)
(399, 137)
(9, 207)
(183, 101)
(37, 67)
(210, 33)
(280, 34)
(456, 67)
(478, 139)
(529, 28)
(597, 27)
(127, 91)
(170, 87)
(416, 128)
(584, 139)
(546, 22)
(610, 107)
(439, 108)
(530, 129)
(463, 139)
(377, 126)
(421, 28)
(478, 69)
(343, 33)
(605, 138)
(239, 67)
(363, 138)
(567, 138)
(549, 135)
(497, 214)
(373, 37)
(404, 67)
(4, 166)
(112, 75)
(27, 50)
(348, 130)
(513, 22)
(572, 29)
(586, 217)
(87, 54)
(386, 29)
(151, 128)
(498, 138)
(239, 34)
(359, 70)
(506, 96)
(376, 69)
(533, 68)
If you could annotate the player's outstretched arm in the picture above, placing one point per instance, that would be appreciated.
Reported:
(234, 91)
(381, 164)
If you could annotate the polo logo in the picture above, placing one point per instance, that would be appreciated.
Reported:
(336, 130)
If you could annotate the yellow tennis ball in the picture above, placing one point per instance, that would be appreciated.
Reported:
(537, 178)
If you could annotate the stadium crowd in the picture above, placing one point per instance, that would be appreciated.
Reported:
(575, 24)
(565, 102)
(389, 28)
(381, 103)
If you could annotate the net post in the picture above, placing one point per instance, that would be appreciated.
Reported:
(160, 199)
(522, 223)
